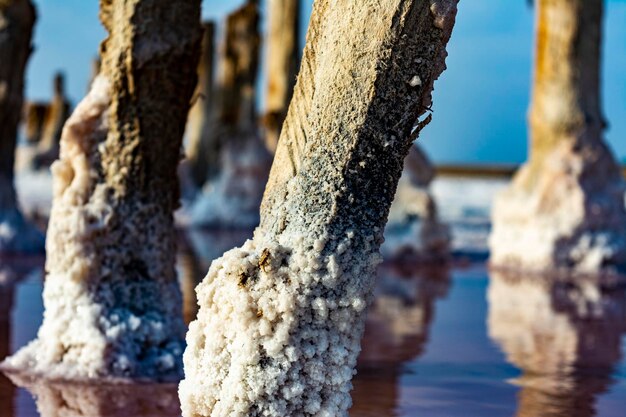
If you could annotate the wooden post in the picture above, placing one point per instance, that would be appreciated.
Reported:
(281, 318)
(202, 149)
(413, 214)
(17, 18)
(565, 208)
(232, 200)
(56, 115)
(112, 298)
(283, 59)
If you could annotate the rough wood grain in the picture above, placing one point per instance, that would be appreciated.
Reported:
(112, 298)
(283, 59)
(281, 318)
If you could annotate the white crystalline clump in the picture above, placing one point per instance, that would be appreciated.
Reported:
(275, 298)
(102, 318)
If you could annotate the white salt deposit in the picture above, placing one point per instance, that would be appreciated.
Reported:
(273, 316)
(232, 199)
(572, 218)
(103, 317)
(413, 230)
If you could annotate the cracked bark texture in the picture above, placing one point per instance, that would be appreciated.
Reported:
(565, 207)
(232, 197)
(112, 299)
(280, 320)
(17, 18)
(283, 59)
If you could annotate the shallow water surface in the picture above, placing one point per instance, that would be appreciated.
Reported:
(438, 342)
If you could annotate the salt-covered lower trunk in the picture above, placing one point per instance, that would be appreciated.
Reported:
(281, 318)
(565, 207)
(112, 300)
(566, 339)
(414, 232)
(17, 18)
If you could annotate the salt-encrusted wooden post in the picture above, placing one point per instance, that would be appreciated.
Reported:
(565, 207)
(112, 299)
(233, 197)
(202, 151)
(414, 232)
(281, 318)
(17, 18)
(283, 57)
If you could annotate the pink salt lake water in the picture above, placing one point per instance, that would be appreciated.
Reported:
(439, 342)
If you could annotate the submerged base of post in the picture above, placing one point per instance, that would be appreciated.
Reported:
(567, 214)
(106, 316)
(273, 317)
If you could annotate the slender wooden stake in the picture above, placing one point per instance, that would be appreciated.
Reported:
(57, 114)
(283, 59)
(203, 151)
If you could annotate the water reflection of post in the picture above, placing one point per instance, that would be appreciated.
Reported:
(56, 399)
(564, 336)
(396, 331)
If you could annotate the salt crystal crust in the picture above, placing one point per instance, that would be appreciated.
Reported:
(280, 320)
(100, 322)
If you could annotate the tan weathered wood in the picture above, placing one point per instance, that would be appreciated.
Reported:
(281, 317)
(565, 207)
(234, 194)
(202, 149)
(34, 116)
(238, 68)
(283, 58)
(112, 298)
(57, 113)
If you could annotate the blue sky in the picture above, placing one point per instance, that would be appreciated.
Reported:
(480, 101)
